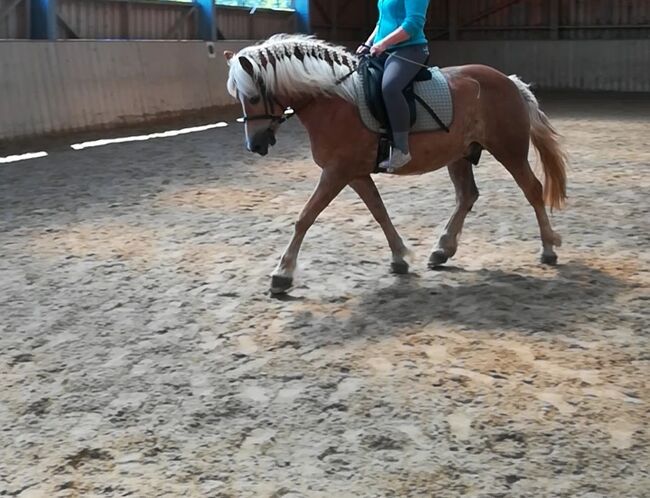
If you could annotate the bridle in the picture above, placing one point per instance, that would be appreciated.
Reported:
(270, 103)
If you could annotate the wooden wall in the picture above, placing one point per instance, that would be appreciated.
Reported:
(497, 19)
(70, 86)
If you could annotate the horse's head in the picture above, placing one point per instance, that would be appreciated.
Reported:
(292, 69)
(263, 115)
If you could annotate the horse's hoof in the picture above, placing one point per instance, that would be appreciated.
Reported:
(280, 284)
(549, 259)
(438, 258)
(399, 267)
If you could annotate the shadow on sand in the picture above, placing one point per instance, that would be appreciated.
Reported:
(569, 295)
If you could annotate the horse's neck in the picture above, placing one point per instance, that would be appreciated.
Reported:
(334, 126)
(318, 111)
(296, 102)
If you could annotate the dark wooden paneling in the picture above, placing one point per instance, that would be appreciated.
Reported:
(14, 19)
(497, 19)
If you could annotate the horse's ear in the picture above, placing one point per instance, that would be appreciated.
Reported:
(228, 54)
(247, 65)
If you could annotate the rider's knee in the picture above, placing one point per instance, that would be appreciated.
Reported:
(390, 89)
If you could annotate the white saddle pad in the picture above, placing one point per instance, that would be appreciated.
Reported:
(434, 92)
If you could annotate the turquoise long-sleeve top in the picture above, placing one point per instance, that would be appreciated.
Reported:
(410, 15)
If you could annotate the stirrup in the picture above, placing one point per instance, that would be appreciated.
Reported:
(388, 166)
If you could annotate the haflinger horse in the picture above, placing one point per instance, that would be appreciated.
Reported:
(492, 110)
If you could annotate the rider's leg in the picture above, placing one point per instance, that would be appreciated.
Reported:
(398, 74)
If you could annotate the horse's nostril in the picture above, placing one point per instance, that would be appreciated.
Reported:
(260, 149)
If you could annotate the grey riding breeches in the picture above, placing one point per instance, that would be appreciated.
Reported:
(398, 73)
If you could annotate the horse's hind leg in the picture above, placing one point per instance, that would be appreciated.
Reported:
(462, 175)
(367, 190)
(520, 169)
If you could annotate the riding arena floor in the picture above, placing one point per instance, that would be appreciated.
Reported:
(141, 355)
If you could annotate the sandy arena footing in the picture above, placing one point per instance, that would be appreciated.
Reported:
(140, 354)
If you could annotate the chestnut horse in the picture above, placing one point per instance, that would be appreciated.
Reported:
(491, 110)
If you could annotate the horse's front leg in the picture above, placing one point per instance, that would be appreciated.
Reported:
(329, 186)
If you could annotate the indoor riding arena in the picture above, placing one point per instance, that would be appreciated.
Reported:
(142, 352)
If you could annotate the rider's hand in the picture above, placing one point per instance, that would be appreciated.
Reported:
(363, 49)
(378, 49)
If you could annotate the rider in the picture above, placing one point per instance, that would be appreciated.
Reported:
(400, 33)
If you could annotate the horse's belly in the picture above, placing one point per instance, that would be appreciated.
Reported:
(432, 151)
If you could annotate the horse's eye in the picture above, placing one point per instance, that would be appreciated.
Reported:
(254, 100)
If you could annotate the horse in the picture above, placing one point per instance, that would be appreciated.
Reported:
(318, 81)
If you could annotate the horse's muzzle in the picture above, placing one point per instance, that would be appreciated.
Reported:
(262, 150)
(261, 142)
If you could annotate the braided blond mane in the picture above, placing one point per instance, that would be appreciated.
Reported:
(290, 65)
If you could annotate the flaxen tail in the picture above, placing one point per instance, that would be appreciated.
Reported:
(550, 151)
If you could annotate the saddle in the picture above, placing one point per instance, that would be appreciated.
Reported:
(372, 69)
(372, 72)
